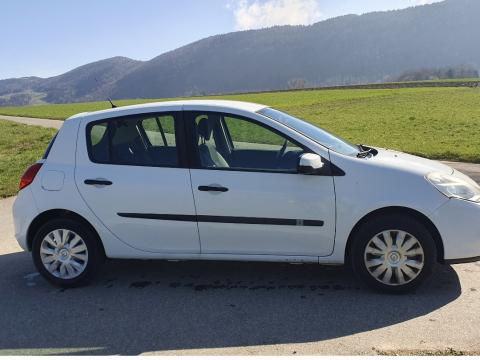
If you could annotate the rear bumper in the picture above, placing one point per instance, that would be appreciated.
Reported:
(458, 222)
(24, 212)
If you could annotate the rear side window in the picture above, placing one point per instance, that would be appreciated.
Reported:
(160, 130)
(142, 141)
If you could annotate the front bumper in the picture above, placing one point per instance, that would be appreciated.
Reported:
(24, 212)
(458, 222)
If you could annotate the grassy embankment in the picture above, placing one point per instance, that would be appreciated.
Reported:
(20, 146)
(439, 123)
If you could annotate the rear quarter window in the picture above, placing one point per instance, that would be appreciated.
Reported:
(98, 132)
(99, 143)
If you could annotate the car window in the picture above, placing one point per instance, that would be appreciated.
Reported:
(313, 132)
(142, 140)
(248, 135)
(237, 143)
(160, 130)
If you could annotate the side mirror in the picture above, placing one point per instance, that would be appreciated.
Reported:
(310, 164)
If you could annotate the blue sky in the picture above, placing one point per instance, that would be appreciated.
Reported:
(48, 37)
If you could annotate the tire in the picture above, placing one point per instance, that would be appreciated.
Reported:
(410, 260)
(81, 258)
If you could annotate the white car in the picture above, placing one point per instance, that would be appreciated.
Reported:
(224, 180)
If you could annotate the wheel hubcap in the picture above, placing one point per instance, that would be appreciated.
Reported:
(64, 254)
(394, 257)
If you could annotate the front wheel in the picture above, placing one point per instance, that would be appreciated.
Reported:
(66, 252)
(393, 253)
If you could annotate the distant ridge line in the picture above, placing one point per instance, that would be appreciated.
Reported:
(374, 86)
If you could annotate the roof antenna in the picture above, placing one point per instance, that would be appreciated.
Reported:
(109, 100)
(111, 103)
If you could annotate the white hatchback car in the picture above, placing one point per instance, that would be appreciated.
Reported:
(224, 180)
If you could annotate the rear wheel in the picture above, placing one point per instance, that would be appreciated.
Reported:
(66, 252)
(393, 253)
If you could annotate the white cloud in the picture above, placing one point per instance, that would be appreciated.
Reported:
(255, 14)
(425, 2)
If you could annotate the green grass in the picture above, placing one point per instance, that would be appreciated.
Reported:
(20, 146)
(460, 80)
(439, 123)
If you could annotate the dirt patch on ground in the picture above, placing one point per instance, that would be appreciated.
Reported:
(444, 352)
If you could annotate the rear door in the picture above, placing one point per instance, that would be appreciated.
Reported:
(131, 173)
(249, 197)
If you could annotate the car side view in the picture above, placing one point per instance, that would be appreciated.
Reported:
(225, 180)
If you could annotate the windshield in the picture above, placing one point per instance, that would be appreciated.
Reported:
(317, 134)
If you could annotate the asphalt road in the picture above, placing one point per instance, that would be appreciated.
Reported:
(222, 308)
(48, 123)
(205, 308)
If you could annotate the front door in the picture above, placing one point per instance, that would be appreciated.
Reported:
(249, 197)
(133, 180)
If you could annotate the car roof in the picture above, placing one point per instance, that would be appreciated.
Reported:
(178, 105)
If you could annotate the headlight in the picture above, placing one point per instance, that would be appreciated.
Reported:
(454, 187)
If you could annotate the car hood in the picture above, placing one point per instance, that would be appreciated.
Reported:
(407, 162)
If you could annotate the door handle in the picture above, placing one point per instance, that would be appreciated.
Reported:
(212, 188)
(97, 182)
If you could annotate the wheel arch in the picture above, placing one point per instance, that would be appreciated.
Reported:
(398, 210)
(48, 215)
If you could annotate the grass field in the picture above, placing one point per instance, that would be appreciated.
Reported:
(20, 146)
(439, 123)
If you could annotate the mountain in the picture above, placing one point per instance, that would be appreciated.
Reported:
(344, 50)
(85, 83)
(89, 82)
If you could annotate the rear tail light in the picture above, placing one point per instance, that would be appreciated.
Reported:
(29, 175)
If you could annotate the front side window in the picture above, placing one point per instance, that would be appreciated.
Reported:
(236, 143)
(313, 132)
(144, 140)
